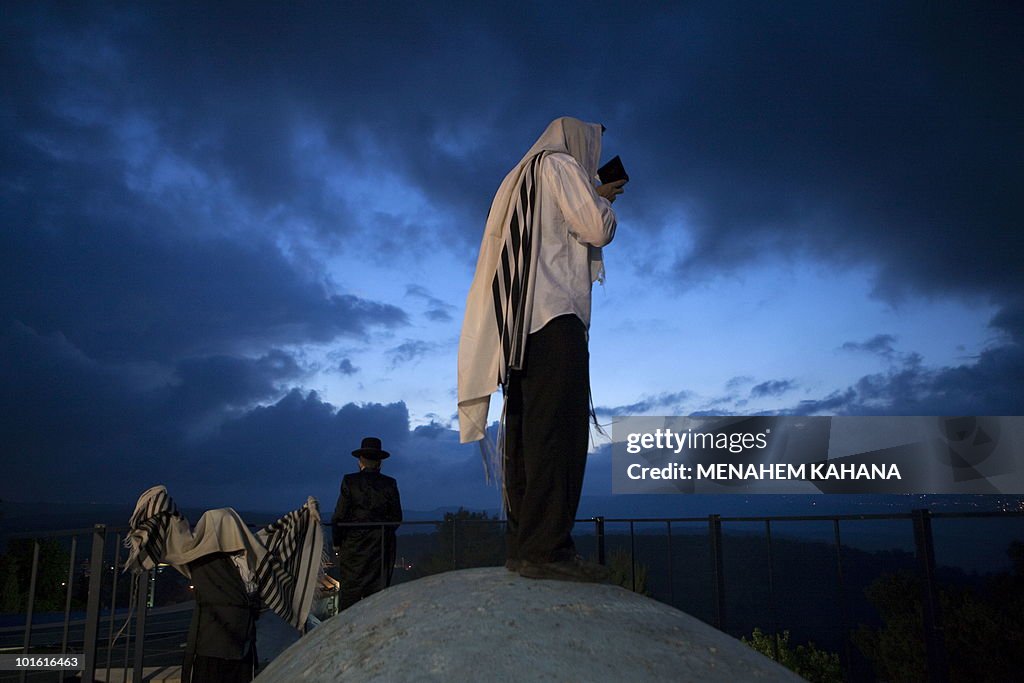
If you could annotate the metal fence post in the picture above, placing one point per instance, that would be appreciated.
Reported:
(934, 640)
(383, 569)
(454, 563)
(132, 598)
(671, 573)
(113, 601)
(772, 622)
(840, 587)
(31, 602)
(92, 610)
(141, 609)
(717, 575)
(632, 557)
(599, 532)
(67, 598)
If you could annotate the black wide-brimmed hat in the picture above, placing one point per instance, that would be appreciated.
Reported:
(371, 449)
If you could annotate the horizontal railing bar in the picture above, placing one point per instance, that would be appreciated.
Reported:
(814, 518)
(426, 522)
(62, 532)
(617, 520)
(987, 513)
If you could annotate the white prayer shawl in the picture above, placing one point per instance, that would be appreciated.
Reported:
(284, 559)
(500, 300)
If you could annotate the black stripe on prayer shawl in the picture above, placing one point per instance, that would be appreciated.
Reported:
(511, 284)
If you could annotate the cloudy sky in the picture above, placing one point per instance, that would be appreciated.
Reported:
(236, 238)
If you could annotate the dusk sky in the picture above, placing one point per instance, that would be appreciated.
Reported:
(237, 238)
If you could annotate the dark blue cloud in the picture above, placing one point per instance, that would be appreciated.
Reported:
(144, 297)
(850, 133)
(173, 175)
(906, 387)
(737, 382)
(223, 382)
(128, 286)
(855, 135)
(880, 344)
(410, 351)
(56, 399)
(345, 367)
(1011, 321)
(437, 309)
(128, 229)
(910, 388)
(433, 430)
(669, 403)
(303, 445)
(72, 423)
(77, 427)
(772, 388)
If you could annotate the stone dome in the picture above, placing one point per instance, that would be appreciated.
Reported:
(492, 625)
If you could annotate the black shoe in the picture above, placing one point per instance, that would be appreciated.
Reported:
(576, 569)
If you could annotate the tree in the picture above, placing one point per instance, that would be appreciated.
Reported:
(983, 634)
(896, 650)
(51, 575)
(465, 539)
(817, 666)
(10, 597)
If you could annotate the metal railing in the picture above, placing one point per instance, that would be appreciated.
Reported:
(98, 563)
(936, 655)
(95, 568)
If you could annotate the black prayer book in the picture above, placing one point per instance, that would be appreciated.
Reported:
(612, 171)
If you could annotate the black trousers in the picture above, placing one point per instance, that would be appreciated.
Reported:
(546, 438)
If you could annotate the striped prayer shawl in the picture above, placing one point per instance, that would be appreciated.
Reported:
(511, 285)
(289, 573)
(149, 528)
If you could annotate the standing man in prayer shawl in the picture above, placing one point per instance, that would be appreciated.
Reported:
(526, 329)
(366, 554)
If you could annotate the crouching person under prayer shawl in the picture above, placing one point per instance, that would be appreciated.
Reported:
(366, 554)
(234, 572)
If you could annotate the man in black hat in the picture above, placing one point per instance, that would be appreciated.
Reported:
(366, 554)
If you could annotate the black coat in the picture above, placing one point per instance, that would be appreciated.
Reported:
(366, 496)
